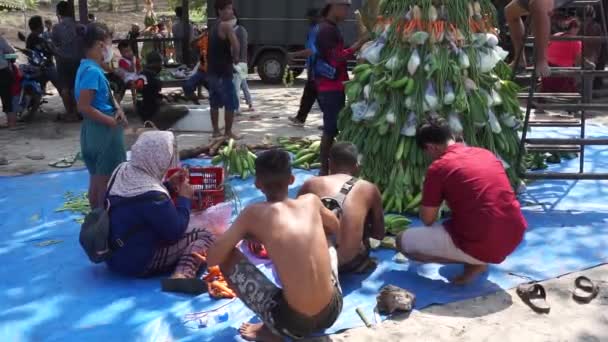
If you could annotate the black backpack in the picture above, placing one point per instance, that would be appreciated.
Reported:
(95, 231)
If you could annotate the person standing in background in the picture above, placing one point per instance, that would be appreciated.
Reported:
(330, 83)
(309, 96)
(36, 42)
(242, 68)
(101, 134)
(67, 38)
(224, 53)
(132, 36)
(200, 75)
(6, 82)
(48, 25)
(181, 30)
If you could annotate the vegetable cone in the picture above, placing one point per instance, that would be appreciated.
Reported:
(429, 58)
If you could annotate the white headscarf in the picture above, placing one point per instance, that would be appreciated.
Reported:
(152, 155)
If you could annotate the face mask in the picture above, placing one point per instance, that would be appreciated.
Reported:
(108, 54)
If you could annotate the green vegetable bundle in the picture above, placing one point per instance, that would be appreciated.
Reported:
(395, 224)
(237, 160)
(78, 204)
(306, 153)
(430, 58)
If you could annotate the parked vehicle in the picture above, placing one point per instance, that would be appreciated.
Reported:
(277, 27)
(32, 83)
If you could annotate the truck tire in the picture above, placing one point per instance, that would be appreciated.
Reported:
(271, 66)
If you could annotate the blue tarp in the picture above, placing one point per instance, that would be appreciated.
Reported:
(53, 293)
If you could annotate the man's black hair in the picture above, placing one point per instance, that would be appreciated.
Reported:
(179, 11)
(312, 13)
(35, 23)
(220, 5)
(273, 166)
(325, 11)
(154, 58)
(433, 131)
(64, 9)
(236, 16)
(123, 44)
(96, 32)
(344, 154)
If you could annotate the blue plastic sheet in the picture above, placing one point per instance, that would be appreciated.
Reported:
(53, 293)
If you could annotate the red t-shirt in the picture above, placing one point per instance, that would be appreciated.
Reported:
(331, 49)
(563, 53)
(486, 220)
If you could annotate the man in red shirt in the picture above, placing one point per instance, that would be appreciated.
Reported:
(486, 223)
(330, 72)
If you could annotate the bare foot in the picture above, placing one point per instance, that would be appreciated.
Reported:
(470, 273)
(522, 65)
(216, 134)
(257, 332)
(542, 69)
(234, 136)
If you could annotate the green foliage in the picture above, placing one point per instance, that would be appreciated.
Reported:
(194, 4)
(19, 4)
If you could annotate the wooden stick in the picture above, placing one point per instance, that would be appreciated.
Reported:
(193, 152)
(253, 147)
(215, 145)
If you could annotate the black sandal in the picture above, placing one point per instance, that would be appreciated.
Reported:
(535, 296)
(191, 286)
(584, 290)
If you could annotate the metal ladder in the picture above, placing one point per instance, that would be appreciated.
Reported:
(582, 105)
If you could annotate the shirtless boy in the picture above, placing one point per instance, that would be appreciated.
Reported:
(357, 203)
(294, 235)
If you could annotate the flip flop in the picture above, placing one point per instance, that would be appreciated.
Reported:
(66, 162)
(192, 286)
(535, 296)
(584, 290)
(62, 163)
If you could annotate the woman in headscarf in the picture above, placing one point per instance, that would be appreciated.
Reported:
(148, 232)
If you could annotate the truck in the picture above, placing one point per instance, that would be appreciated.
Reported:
(277, 27)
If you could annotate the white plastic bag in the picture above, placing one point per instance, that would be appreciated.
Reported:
(359, 109)
(215, 219)
(371, 111)
(413, 63)
(372, 53)
(409, 128)
(454, 122)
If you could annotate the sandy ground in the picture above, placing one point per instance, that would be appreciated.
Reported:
(500, 317)
(273, 105)
(497, 317)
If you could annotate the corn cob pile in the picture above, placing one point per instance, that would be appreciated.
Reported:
(306, 153)
(237, 160)
(395, 224)
(429, 58)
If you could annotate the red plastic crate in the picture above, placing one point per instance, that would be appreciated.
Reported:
(208, 184)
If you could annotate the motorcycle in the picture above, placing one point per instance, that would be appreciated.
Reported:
(32, 83)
